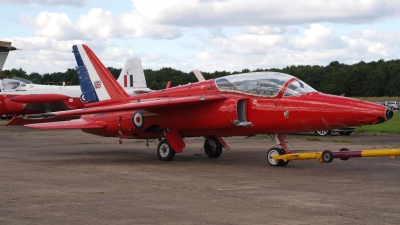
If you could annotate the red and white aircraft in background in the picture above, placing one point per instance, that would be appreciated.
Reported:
(20, 97)
(237, 105)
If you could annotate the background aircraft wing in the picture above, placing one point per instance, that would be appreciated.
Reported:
(39, 98)
(137, 104)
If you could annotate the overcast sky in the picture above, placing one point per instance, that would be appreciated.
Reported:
(208, 35)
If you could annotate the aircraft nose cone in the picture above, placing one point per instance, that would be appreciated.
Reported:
(389, 114)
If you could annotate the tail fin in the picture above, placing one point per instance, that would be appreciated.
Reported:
(5, 47)
(132, 77)
(97, 83)
(3, 57)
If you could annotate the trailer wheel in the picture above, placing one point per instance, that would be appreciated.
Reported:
(327, 156)
(273, 162)
(344, 150)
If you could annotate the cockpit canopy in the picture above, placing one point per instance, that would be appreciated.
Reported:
(263, 83)
(13, 84)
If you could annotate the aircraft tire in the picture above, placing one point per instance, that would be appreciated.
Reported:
(276, 151)
(327, 156)
(344, 150)
(324, 132)
(345, 132)
(213, 151)
(165, 151)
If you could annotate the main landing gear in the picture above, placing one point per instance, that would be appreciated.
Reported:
(282, 156)
(165, 151)
(212, 147)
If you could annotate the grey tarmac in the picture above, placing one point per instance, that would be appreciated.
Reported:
(69, 177)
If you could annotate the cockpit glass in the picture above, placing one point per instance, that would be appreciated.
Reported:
(10, 84)
(258, 83)
(298, 87)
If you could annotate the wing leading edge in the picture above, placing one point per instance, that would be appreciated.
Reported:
(72, 124)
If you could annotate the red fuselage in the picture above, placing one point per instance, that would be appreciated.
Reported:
(268, 115)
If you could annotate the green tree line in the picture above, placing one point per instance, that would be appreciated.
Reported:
(373, 79)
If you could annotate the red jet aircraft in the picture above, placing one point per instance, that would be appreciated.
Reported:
(236, 105)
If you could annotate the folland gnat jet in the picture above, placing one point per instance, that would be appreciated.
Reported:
(20, 97)
(236, 105)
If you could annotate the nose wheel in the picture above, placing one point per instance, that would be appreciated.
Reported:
(165, 151)
(276, 162)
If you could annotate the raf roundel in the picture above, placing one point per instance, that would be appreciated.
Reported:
(82, 97)
(138, 119)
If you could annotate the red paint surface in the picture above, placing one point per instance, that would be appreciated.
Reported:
(40, 98)
(113, 88)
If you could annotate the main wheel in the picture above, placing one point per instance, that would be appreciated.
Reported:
(324, 132)
(344, 150)
(164, 151)
(327, 156)
(345, 132)
(276, 162)
(212, 148)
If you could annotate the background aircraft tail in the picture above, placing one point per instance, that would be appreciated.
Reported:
(132, 77)
(97, 83)
(5, 47)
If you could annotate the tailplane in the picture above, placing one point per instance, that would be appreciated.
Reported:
(97, 83)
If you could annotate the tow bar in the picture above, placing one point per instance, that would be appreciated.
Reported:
(344, 154)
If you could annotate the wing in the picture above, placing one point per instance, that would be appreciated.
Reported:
(72, 124)
(18, 121)
(139, 104)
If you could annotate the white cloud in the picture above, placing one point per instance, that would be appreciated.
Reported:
(261, 13)
(97, 23)
(264, 30)
(52, 25)
(317, 37)
(45, 55)
(36, 3)
(213, 34)
(317, 45)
